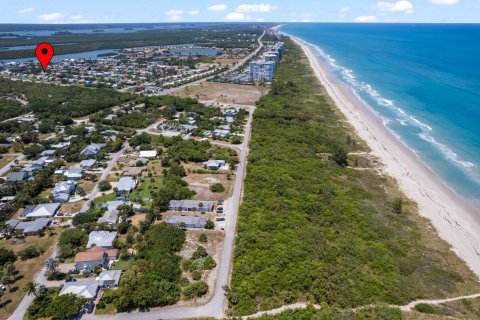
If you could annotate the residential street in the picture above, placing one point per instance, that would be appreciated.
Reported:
(19, 158)
(104, 176)
(216, 306)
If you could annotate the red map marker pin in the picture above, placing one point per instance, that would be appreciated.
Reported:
(44, 53)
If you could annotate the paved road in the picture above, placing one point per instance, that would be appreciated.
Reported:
(216, 306)
(104, 176)
(4, 170)
(39, 277)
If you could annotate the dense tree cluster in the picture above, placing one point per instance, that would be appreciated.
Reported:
(311, 227)
(48, 304)
(154, 278)
(48, 100)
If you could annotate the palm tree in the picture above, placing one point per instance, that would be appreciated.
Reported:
(31, 288)
(9, 270)
(52, 265)
(6, 280)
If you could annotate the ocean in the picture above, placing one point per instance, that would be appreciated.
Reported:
(423, 80)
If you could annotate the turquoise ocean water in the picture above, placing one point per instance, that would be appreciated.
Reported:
(422, 79)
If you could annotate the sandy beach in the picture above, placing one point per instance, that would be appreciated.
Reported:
(454, 219)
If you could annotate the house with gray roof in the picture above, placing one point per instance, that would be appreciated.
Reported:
(110, 217)
(91, 150)
(73, 174)
(101, 239)
(87, 164)
(17, 176)
(32, 227)
(109, 278)
(187, 221)
(214, 164)
(63, 189)
(125, 186)
(43, 210)
(191, 206)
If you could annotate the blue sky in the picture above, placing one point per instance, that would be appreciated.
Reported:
(93, 11)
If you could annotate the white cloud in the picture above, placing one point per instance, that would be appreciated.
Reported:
(301, 20)
(25, 11)
(193, 12)
(174, 15)
(255, 7)
(50, 17)
(399, 6)
(445, 2)
(218, 7)
(366, 19)
(76, 17)
(344, 9)
(237, 16)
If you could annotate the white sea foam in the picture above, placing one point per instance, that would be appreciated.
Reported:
(446, 151)
(402, 117)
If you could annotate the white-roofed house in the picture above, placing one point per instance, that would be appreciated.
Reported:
(125, 186)
(101, 239)
(148, 154)
(83, 289)
(44, 210)
(87, 164)
(214, 164)
(73, 174)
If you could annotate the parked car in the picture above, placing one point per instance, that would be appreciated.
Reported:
(71, 280)
(220, 202)
(2, 287)
(220, 211)
(220, 219)
(89, 307)
(73, 271)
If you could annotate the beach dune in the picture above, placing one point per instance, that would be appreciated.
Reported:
(455, 220)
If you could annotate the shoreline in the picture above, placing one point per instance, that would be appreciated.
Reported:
(452, 217)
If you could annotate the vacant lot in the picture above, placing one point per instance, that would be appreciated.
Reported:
(201, 182)
(26, 269)
(224, 92)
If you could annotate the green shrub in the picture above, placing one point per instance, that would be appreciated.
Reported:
(217, 187)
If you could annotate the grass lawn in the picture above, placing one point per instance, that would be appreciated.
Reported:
(155, 167)
(6, 159)
(110, 308)
(105, 198)
(146, 187)
(26, 269)
(123, 264)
